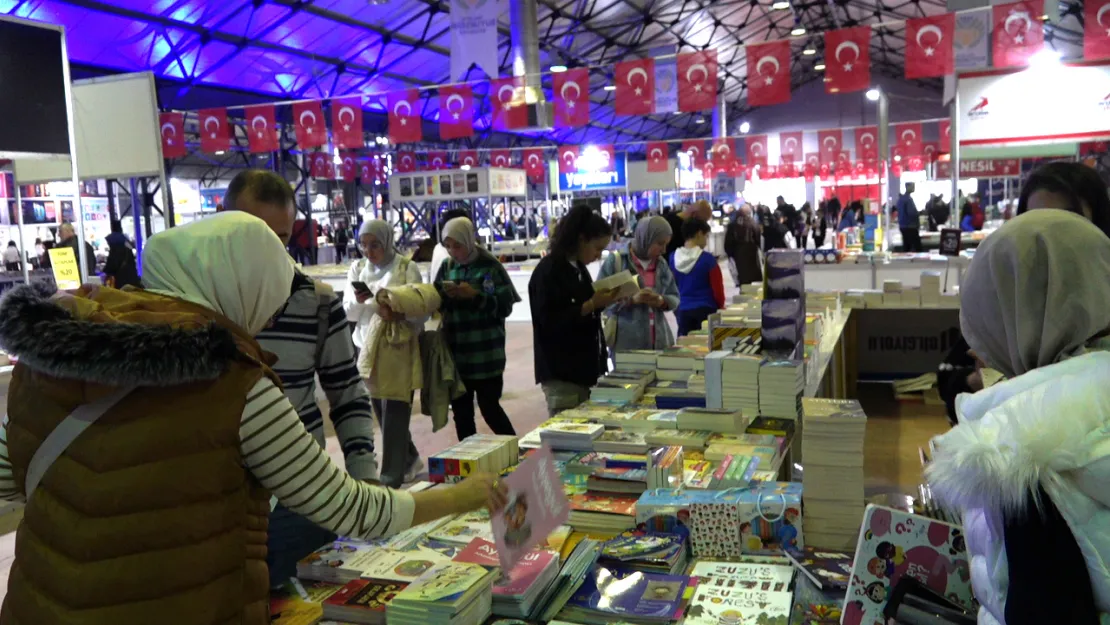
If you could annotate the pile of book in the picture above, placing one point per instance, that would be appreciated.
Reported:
(650, 552)
(621, 442)
(616, 390)
(833, 481)
(577, 565)
(611, 513)
(712, 420)
(740, 382)
(619, 594)
(636, 359)
(452, 593)
(576, 436)
(488, 453)
(362, 601)
(516, 592)
(740, 592)
(464, 528)
(783, 308)
(781, 385)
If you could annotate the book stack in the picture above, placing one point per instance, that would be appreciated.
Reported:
(616, 391)
(362, 601)
(578, 564)
(390, 565)
(650, 419)
(516, 594)
(576, 436)
(734, 471)
(740, 383)
(451, 593)
(621, 442)
(488, 453)
(689, 439)
(740, 593)
(892, 293)
(618, 480)
(686, 358)
(930, 289)
(833, 480)
(636, 359)
(731, 421)
(602, 513)
(784, 308)
(828, 569)
(337, 562)
(464, 528)
(618, 594)
(781, 384)
(650, 552)
(639, 376)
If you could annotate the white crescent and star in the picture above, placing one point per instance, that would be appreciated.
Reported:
(397, 108)
(211, 118)
(577, 92)
(348, 111)
(1102, 11)
(757, 149)
(724, 149)
(698, 67)
(170, 127)
(850, 45)
(309, 124)
(656, 154)
(533, 158)
(501, 92)
(867, 138)
(1018, 16)
(830, 140)
(452, 98)
(910, 132)
(767, 59)
(790, 141)
(569, 156)
(636, 71)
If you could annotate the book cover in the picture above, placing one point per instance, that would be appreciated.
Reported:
(536, 505)
(369, 595)
(465, 528)
(747, 575)
(527, 571)
(823, 408)
(292, 610)
(604, 503)
(634, 594)
(647, 547)
(827, 568)
(892, 544)
(447, 584)
(714, 605)
(479, 551)
(401, 566)
(339, 560)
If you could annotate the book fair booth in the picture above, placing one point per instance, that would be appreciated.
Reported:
(718, 481)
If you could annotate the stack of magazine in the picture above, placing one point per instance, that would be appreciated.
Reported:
(452, 593)
(650, 552)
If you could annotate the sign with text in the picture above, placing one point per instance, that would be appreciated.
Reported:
(67, 274)
(981, 168)
(950, 242)
(905, 342)
(595, 179)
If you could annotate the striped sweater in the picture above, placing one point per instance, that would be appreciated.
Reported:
(475, 328)
(292, 338)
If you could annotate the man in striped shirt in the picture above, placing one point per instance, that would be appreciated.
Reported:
(308, 346)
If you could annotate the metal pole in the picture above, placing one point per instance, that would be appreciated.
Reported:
(954, 153)
(137, 216)
(883, 115)
(82, 257)
(22, 241)
(167, 199)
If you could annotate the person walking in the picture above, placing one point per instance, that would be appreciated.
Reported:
(701, 287)
(478, 296)
(342, 240)
(909, 222)
(639, 321)
(742, 246)
(313, 346)
(569, 349)
(121, 268)
(380, 267)
(701, 209)
(155, 509)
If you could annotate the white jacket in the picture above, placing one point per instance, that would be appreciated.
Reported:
(1049, 426)
(362, 271)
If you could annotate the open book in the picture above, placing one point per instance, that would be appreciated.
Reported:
(626, 284)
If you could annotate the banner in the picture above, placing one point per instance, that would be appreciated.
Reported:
(308, 124)
(456, 112)
(473, 37)
(697, 81)
(635, 82)
(173, 134)
(666, 85)
(571, 92)
(1096, 29)
(981, 168)
(768, 73)
(971, 41)
(657, 156)
(1018, 33)
(214, 133)
(929, 48)
(262, 129)
(346, 123)
(848, 59)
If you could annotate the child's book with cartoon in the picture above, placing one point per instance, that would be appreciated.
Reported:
(536, 506)
(402, 566)
(613, 592)
(829, 569)
(893, 543)
(716, 604)
(464, 528)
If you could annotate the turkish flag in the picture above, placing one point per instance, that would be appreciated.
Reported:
(321, 166)
(722, 153)
(456, 112)
(757, 149)
(790, 146)
(437, 160)
(568, 159)
(930, 150)
(533, 164)
(809, 170)
(367, 170)
(844, 160)
(696, 150)
(867, 143)
(572, 97)
(1096, 29)
(349, 169)
(608, 157)
(768, 73)
(848, 59)
(657, 160)
(635, 82)
(908, 137)
(405, 162)
(500, 158)
(346, 123)
(829, 142)
(262, 132)
(697, 81)
(173, 134)
(469, 158)
(1018, 33)
(214, 135)
(813, 159)
(915, 163)
(506, 99)
(308, 123)
(929, 51)
(404, 119)
(708, 172)
(945, 136)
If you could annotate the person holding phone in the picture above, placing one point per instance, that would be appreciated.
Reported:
(381, 266)
(477, 298)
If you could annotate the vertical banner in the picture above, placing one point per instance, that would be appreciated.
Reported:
(971, 41)
(768, 73)
(568, 159)
(929, 47)
(262, 130)
(1096, 29)
(571, 90)
(666, 85)
(697, 78)
(473, 37)
(657, 152)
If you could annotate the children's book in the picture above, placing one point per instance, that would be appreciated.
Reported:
(748, 575)
(827, 568)
(893, 543)
(465, 528)
(527, 571)
(536, 506)
(401, 566)
(479, 551)
(445, 588)
(721, 605)
(338, 561)
(645, 597)
(362, 601)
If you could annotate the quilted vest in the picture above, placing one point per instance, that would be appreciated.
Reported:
(150, 516)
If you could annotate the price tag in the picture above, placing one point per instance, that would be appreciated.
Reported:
(67, 274)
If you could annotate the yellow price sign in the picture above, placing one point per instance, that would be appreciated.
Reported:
(67, 274)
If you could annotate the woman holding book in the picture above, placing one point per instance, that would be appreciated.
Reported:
(639, 320)
(156, 510)
(568, 346)
(1028, 467)
(477, 298)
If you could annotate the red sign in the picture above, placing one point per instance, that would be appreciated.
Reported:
(308, 122)
(768, 73)
(848, 59)
(346, 123)
(981, 168)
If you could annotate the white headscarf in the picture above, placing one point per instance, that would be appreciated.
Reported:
(461, 229)
(383, 232)
(231, 263)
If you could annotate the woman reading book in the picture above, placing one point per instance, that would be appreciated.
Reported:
(147, 433)
(568, 348)
(640, 321)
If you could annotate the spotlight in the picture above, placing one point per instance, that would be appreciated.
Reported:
(872, 94)
(745, 127)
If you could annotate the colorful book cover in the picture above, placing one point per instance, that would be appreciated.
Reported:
(292, 610)
(747, 575)
(604, 503)
(401, 566)
(823, 408)
(336, 560)
(465, 528)
(479, 551)
(536, 505)
(370, 595)
(827, 568)
(892, 544)
(445, 583)
(529, 569)
(646, 547)
(631, 593)
(715, 605)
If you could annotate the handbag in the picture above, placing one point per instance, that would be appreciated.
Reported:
(610, 327)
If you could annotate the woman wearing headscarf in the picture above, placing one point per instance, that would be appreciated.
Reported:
(742, 246)
(477, 298)
(1028, 467)
(147, 433)
(640, 321)
(1072, 187)
(381, 266)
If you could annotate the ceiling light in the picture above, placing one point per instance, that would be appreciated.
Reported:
(897, 157)
(610, 87)
(465, 168)
(809, 52)
(555, 69)
(798, 31)
(819, 67)
(701, 120)
(745, 127)
(872, 94)
(780, 5)
(219, 152)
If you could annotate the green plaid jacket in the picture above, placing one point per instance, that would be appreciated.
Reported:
(475, 328)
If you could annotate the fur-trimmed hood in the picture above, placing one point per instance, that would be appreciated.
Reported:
(113, 337)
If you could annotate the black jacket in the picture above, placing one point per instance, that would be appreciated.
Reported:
(677, 240)
(121, 265)
(568, 347)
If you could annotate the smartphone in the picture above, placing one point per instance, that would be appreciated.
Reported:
(360, 287)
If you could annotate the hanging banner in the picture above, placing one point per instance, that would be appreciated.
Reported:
(971, 41)
(666, 85)
(981, 168)
(473, 37)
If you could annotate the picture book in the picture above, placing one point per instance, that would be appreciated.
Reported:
(635, 594)
(747, 575)
(536, 506)
(465, 527)
(529, 569)
(362, 600)
(827, 568)
(401, 566)
(338, 561)
(446, 587)
(479, 551)
(604, 503)
(643, 546)
(892, 544)
(716, 605)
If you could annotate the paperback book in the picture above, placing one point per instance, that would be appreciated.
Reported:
(609, 594)
(536, 506)
(362, 601)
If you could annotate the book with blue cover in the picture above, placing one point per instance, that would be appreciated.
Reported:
(609, 594)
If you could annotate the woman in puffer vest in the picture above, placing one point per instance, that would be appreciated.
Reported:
(1028, 466)
(157, 512)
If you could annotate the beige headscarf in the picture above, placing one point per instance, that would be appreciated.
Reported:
(231, 263)
(461, 230)
(1037, 291)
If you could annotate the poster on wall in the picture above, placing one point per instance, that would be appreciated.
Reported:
(903, 343)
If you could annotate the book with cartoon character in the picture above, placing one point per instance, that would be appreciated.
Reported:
(829, 569)
(716, 604)
(893, 543)
(536, 506)
(465, 528)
